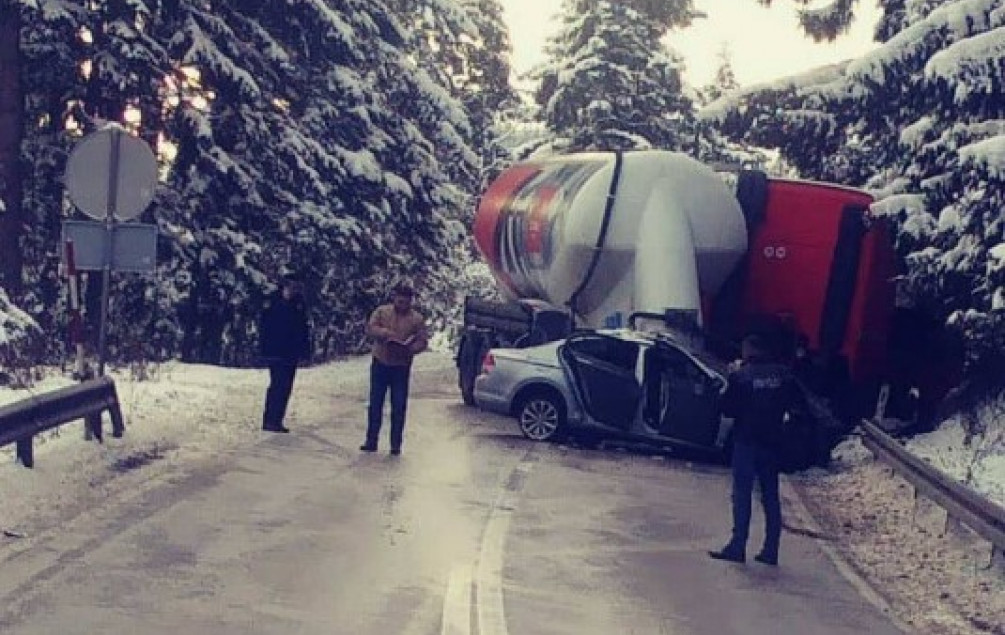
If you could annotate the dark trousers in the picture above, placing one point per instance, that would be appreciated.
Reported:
(382, 379)
(752, 461)
(281, 376)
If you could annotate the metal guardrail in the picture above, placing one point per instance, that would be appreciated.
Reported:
(22, 420)
(961, 502)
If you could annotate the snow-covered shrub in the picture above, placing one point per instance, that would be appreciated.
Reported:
(18, 332)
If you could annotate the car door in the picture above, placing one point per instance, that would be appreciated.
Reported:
(603, 371)
(682, 399)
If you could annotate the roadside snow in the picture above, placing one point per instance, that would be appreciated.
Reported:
(977, 460)
(935, 575)
(182, 413)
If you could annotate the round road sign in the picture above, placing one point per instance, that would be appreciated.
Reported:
(111, 172)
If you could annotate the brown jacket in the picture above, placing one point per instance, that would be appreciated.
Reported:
(397, 338)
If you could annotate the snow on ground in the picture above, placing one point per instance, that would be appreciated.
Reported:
(183, 413)
(977, 460)
(189, 413)
(935, 575)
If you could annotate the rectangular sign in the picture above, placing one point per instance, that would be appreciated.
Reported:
(134, 245)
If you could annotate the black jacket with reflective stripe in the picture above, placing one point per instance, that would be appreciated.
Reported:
(758, 397)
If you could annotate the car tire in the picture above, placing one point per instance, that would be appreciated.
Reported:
(541, 415)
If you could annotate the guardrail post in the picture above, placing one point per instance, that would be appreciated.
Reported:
(998, 559)
(93, 424)
(25, 452)
(115, 411)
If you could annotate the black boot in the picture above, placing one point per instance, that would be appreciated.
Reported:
(728, 553)
(767, 558)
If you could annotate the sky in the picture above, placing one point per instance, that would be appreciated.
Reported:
(765, 44)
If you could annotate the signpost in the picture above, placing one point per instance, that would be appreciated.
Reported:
(111, 176)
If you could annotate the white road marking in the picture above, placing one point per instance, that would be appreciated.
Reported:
(457, 602)
(491, 612)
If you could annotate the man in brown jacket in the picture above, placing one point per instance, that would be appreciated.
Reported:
(399, 333)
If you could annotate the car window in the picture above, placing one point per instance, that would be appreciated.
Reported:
(681, 364)
(620, 353)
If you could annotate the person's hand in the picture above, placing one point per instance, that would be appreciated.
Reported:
(735, 365)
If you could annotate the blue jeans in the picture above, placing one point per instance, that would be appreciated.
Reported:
(752, 461)
(382, 379)
(281, 375)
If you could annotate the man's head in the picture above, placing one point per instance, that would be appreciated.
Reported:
(754, 348)
(292, 286)
(402, 295)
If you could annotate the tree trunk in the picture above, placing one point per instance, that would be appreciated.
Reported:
(11, 127)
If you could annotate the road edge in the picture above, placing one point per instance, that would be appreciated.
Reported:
(845, 566)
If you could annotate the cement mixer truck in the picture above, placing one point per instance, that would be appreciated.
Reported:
(589, 240)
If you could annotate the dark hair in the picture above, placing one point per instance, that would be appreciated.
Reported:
(291, 278)
(757, 344)
(402, 288)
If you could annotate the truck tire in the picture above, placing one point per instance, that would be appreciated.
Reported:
(469, 359)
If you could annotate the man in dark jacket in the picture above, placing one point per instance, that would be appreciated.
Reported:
(285, 340)
(760, 396)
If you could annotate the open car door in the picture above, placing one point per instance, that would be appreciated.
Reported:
(603, 369)
(682, 399)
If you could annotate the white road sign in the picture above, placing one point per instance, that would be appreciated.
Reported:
(111, 172)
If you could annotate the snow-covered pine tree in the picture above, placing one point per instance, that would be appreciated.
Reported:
(725, 77)
(828, 21)
(82, 66)
(325, 148)
(611, 83)
(919, 120)
(440, 36)
(485, 87)
(291, 133)
(713, 147)
(437, 159)
(240, 170)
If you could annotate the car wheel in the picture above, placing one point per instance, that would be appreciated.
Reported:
(541, 416)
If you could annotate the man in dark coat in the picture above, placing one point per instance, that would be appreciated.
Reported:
(760, 396)
(285, 340)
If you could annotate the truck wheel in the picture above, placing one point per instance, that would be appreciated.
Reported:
(468, 363)
(467, 386)
(541, 415)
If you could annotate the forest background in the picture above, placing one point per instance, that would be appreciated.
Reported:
(349, 140)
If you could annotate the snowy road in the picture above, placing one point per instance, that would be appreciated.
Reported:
(472, 530)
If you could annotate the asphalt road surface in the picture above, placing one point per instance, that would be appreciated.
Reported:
(471, 531)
